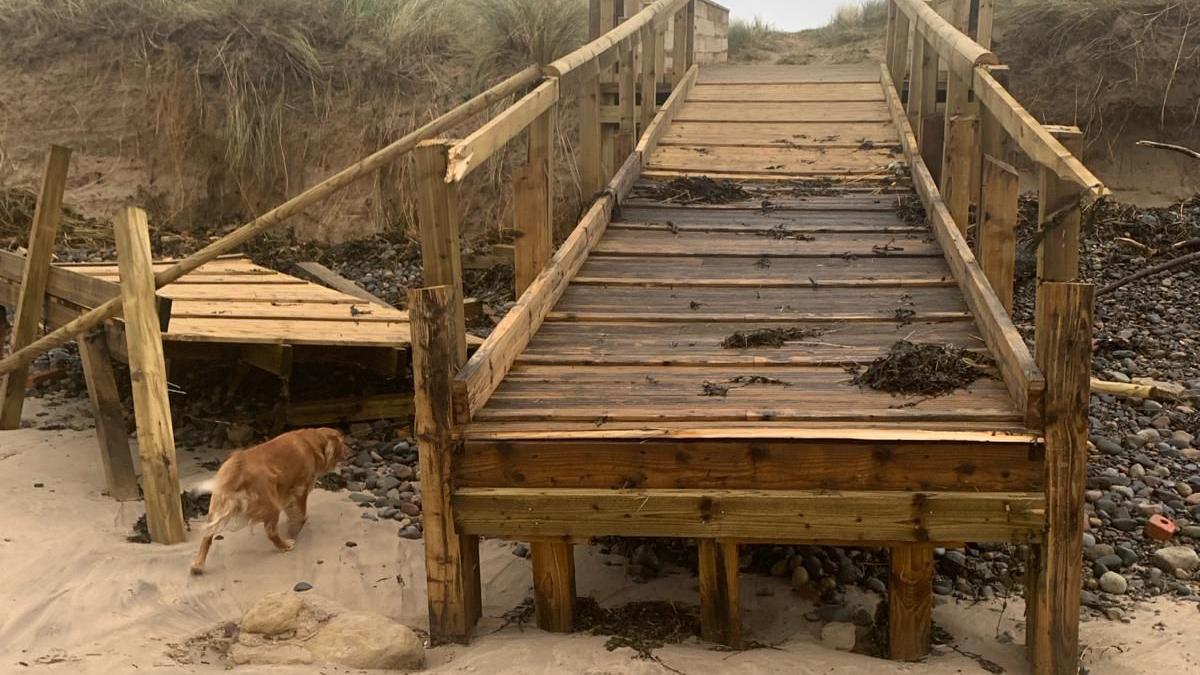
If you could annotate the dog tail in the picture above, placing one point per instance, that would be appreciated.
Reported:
(205, 487)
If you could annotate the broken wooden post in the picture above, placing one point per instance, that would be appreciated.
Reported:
(151, 406)
(451, 559)
(42, 233)
(997, 243)
(910, 601)
(119, 474)
(1064, 354)
(438, 215)
(720, 605)
(1060, 214)
(533, 203)
(553, 585)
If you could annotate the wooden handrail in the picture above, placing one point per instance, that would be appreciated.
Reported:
(595, 55)
(958, 51)
(471, 152)
(277, 215)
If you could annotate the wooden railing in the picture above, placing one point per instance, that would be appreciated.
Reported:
(630, 49)
(959, 159)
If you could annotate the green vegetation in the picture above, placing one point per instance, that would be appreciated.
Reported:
(865, 20)
(747, 38)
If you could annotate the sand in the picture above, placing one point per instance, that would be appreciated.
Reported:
(77, 598)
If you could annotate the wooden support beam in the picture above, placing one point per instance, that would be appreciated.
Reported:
(910, 601)
(985, 24)
(679, 64)
(927, 93)
(349, 409)
(591, 164)
(957, 51)
(320, 274)
(1064, 352)
(650, 41)
(961, 146)
(533, 203)
(627, 95)
(42, 232)
(119, 475)
(147, 370)
(916, 76)
(689, 30)
(438, 213)
(451, 558)
(898, 57)
(997, 241)
(553, 585)
(471, 153)
(720, 605)
(1060, 214)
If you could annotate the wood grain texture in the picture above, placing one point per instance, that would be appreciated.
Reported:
(998, 227)
(439, 220)
(1060, 216)
(553, 566)
(910, 602)
(533, 203)
(720, 591)
(115, 456)
(147, 370)
(754, 133)
(851, 111)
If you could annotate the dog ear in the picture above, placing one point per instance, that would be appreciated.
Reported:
(334, 448)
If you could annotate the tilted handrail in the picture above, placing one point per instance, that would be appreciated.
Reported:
(603, 51)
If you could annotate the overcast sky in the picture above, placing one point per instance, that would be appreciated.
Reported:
(787, 15)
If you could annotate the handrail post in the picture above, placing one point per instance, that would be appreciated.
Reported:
(115, 457)
(997, 240)
(650, 42)
(1059, 215)
(533, 203)
(42, 232)
(898, 55)
(591, 163)
(690, 31)
(679, 42)
(627, 104)
(438, 216)
(147, 370)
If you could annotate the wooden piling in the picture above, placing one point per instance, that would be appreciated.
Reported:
(1060, 215)
(910, 601)
(997, 242)
(720, 605)
(147, 370)
(119, 475)
(1064, 354)
(28, 319)
(438, 215)
(553, 585)
(533, 203)
(451, 559)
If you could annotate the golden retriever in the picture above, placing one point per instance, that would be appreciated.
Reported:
(255, 484)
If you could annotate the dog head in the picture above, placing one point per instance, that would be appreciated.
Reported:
(333, 447)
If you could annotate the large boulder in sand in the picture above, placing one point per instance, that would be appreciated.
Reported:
(366, 640)
(290, 629)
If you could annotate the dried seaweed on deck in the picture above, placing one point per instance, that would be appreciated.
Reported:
(911, 210)
(641, 626)
(921, 369)
(768, 337)
(710, 388)
(781, 231)
(695, 190)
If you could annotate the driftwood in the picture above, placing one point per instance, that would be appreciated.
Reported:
(1140, 389)
(1173, 148)
(1150, 271)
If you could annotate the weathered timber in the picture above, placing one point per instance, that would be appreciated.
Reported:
(119, 475)
(553, 564)
(998, 227)
(720, 603)
(910, 601)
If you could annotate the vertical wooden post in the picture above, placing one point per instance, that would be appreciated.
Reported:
(650, 41)
(590, 144)
(916, 70)
(679, 44)
(898, 57)
(553, 585)
(910, 601)
(1064, 354)
(985, 23)
(993, 138)
(998, 227)
(42, 232)
(889, 39)
(962, 132)
(1060, 216)
(689, 29)
(926, 93)
(119, 474)
(438, 216)
(627, 97)
(593, 19)
(451, 559)
(533, 203)
(151, 406)
(720, 605)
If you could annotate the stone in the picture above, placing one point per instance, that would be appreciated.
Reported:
(1172, 558)
(361, 498)
(388, 482)
(302, 586)
(839, 635)
(1192, 531)
(367, 640)
(1111, 582)
(274, 614)
(269, 654)
(799, 577)
(409, 532)
(1107, 446)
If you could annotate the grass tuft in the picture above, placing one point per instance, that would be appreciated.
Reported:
(748, 38)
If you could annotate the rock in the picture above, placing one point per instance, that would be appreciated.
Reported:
(367, 640)
(1172, 558)
(799, 577)
(1107, 446)
(302, 586)
(839, 635)
(403, 472)
(361, 498)
(388, 482)
(409, 532)
(274, 614)
(269, 654)
(1111, 582)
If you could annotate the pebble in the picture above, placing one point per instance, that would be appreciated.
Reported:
(800, 577)
(839, 635)
(1111, 582)
(409, 532)
(1172, 558)
(302, 586)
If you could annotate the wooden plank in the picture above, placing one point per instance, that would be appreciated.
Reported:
(651, 37)
(1064, 352)
(627, 103)
(42, 232)
(318, 273)
(756, 113)
(533, 203)
(553, 564)
(757, 430)
(897, 56)
(916, 76)
(910, 602)
(451, 555)
(664, 121)
(490, 363)
(350, 313)
(740, 74)
(83, 290)
(961, 146)
(998, 227)
(120, 478)
(473, 151)
(292, 332)
(720, 606)
(350, 409)
(770, 464)
(1034, 140)
(771, 515)
(755, 245)
(151, 405)
(1060, 216)
(828, 92)
(1025, 382)
(797, 161)
(591, 172)
(439, 220)
(780, 134)
(957, 51)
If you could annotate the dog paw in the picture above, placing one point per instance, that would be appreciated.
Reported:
(197, 570)
(288, 544)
